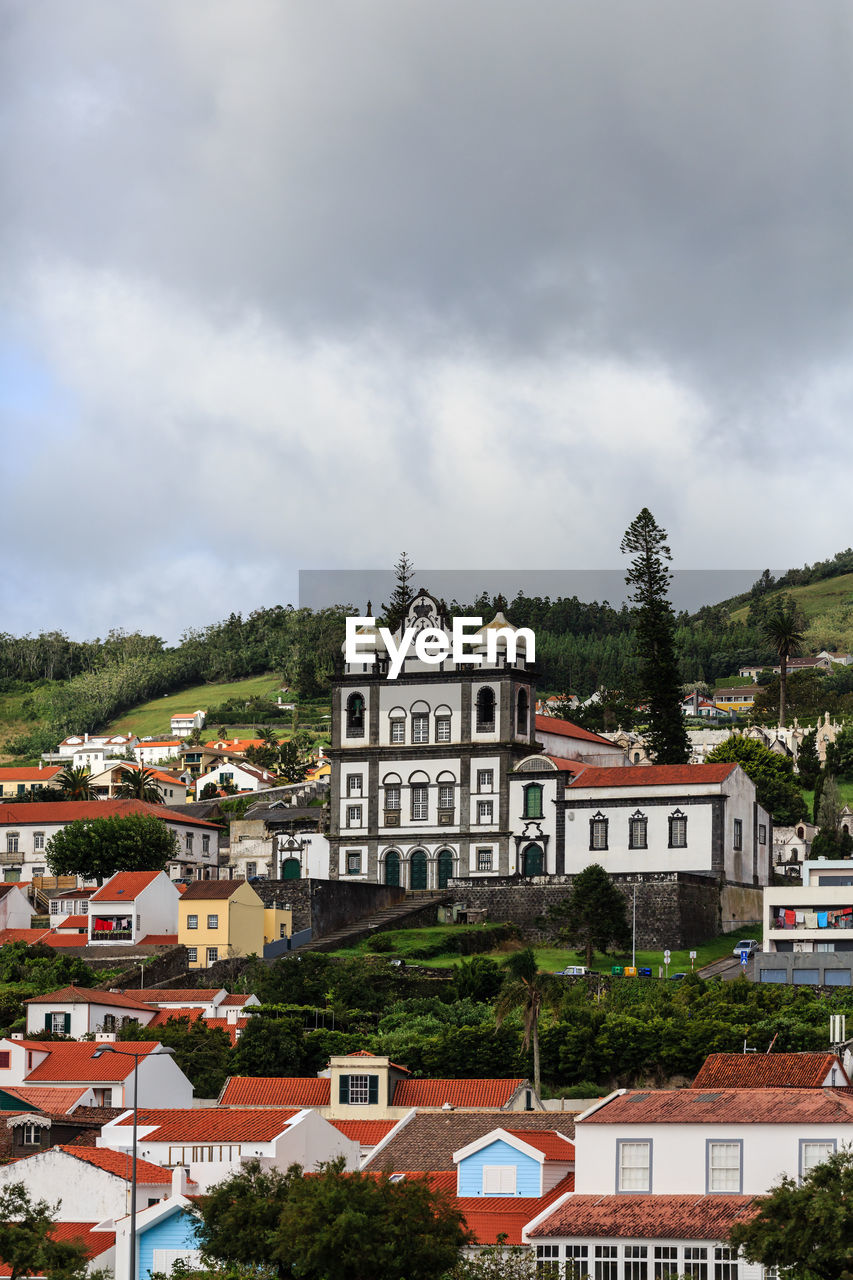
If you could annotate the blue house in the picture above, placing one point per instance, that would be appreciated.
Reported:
(513, 1163)
(164, 1233)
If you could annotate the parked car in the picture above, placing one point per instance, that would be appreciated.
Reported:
(677, 977)
(748, 945)
(572, 971)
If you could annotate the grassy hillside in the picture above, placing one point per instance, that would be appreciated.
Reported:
(152, 718)
(815, 600)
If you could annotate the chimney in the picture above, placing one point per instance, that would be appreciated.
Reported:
(41, 764)
(179, 1181)
(85, 737)
(231, 1015)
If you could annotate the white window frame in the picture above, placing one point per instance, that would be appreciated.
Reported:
(485, 812)
(420, 802)
(398, 729)
(420, 728)
(632, 1172)
(38, 840)
(446, 795)
(212, 955)
(485, 781)
(353, 815)
(393, 797)
(484, 859)
(192, 922)
(353, 862)
(442, 729)
(192, 955)
(718, 1175)
(213, 921)
(354, 785)
(359, 1090)
(815, 1142)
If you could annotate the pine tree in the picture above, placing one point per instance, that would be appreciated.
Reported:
(659, 682)
(401, 597)
(594, 916)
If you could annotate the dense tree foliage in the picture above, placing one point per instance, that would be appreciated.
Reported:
(330, 1224)
(776, 788)
(203, 1053)
(26, 1246)
(96, 848)
(805, 1229)
(593, 916)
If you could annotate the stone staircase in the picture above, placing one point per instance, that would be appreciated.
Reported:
(415, 902)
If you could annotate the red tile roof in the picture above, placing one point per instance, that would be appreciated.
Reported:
(366, 1132)
(276, 1091)
(57, 939)
(727, 1106)
(654, 775)
(159, 940)
(429, 1138)
(213, 1124)
(768, 1071)
(567, 766)
(458, 1093)
(94, 1242)
(72, 922)
(9, 773)
(646, 1217)
(235, 999)
(177, 995)
(565, 729)
(57, 1100)
(121, 1164)
(553, 1145)
(192, 1014)
(30, 815)
(491, 1216)
(22, 935)
(126, 885)
(87, 995)
(72, 1060)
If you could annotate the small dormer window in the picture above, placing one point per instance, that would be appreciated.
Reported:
(360, 1090)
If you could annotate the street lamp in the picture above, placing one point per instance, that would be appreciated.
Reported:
(162, 1050)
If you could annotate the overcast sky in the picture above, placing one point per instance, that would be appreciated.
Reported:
(292, 285)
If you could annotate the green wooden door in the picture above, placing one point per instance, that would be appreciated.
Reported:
(290, 869)
(418, 870)
(531, 861)
(392, 868)
(445, 868)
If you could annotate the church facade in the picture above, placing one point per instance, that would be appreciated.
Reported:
(421, 763)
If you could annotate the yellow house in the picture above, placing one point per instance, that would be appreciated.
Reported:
(17, 782)
(278, 924)
(218, 919)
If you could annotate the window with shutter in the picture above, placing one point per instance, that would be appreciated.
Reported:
(343, 1093)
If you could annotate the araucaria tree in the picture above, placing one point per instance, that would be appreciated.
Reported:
(401, 596)
(805, 1230)
(660, 687)
(593, 917)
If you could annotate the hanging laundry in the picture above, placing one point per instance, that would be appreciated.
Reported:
(821, 919)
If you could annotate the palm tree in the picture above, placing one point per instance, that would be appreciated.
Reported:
(267, 735)
(138, 784)
(528, 990)
(783, 627)
(73, 782)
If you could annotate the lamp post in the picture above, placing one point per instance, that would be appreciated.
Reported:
(162, 1050)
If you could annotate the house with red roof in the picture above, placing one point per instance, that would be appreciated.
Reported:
(569, 741)
(772, 1071)
(25, 830)
(213, 1142)
(61, 1064)
(17, 781)
(106, 783)
(79, 1011)
(88, 1182)
(508, 1162)
(132, 906)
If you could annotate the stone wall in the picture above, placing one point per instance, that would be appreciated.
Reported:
(326, 905)
(674, 909)
(741, 907)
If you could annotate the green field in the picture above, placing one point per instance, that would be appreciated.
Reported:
(815, 599)
(549, 958)
(151, 719)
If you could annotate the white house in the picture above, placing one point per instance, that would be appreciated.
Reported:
(212, 1142)
(87, 1183)
(63, 903)
(16, 910)
(26, 828)
(236, 773)
(154, 751)
(132, 906)
(184, 723)
(62, 1063)
(106, 783)
(90, 750)
(79, 1011)
(571, 742)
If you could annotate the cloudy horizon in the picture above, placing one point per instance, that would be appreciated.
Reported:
(291, 287)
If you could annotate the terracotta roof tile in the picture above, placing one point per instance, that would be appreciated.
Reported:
(159, 940)
(211, 890)
(366, 1132)
(126, 885)
(30, 815)
(276, 1091)
(120, 1163)
(768, 1071)
(177, 995)
(58, 1101)
(654, 775)
(235, 999)
(72, 1060)
(9, 773)
(553, 1145)
(646, 1217)
(94, 1242)
(491, 1216)
(429, 1139)
(87, 995)
(458, 1093)
(565, 729)
(72, 922)
(727, 1106)
(213, 1124)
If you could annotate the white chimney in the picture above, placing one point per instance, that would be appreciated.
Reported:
(41, 764)
(231, 1015)
(85, 737)
(179, 1181)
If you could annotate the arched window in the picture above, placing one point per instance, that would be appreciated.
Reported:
(445, 868)
(531, 861)
(485, 709)
(418, 870)
(392, 867)
(533, 800)
(355, 716)
(522, 709)
(397, 717)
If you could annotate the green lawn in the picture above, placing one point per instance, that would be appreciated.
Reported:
(814, 599)
(844, 786)
(550, 958)
(150, 719)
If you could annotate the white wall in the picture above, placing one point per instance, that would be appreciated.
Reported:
(84, 1193)
(161, 1084)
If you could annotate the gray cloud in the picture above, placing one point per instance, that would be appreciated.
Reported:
(310, 283)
